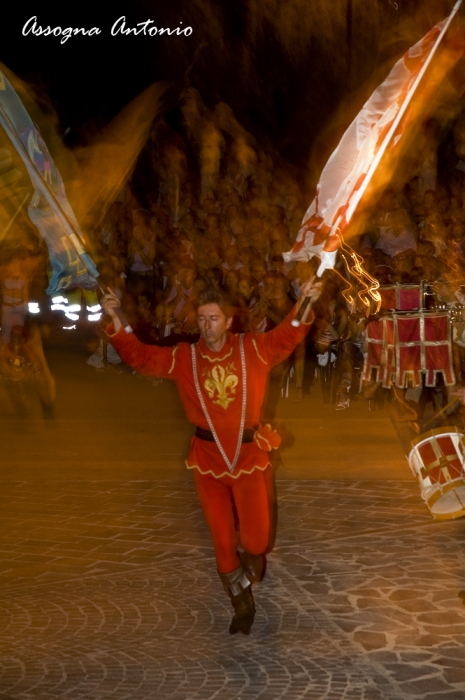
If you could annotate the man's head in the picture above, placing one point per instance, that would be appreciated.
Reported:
(276, 285)
(231, 280)
(215, 276)
(212, 223)
(269, 284)
(138, 234)
(144, 301)
(231, 255)
(212, 257)
(258, 270)
(245, 287)
(277, 263)
(248, 254)
(403, 262)
(214, 318)
(282, 286)
(186, 276)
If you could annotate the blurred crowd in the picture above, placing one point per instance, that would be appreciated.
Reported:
(223, 212)
(208, 205)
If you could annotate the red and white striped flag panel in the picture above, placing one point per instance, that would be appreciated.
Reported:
(356, 157)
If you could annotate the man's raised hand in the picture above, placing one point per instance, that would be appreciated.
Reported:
(110, 302)
(311, 290)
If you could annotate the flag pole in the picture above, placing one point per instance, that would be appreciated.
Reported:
(13, 218)
(76, 235)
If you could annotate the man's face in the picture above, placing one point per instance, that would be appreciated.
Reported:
(429, 199)
(244, 288)
(403, 263)
(258, 271)
(231, 281)
(213, 324)
(269, 287)
(212, 224)
(186, 277)
(199, 285)
(231, 255)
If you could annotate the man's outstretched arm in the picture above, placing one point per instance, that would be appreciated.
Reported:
(146, 359)
(274, 346)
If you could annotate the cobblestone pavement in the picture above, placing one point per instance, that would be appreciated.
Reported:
(108, 590)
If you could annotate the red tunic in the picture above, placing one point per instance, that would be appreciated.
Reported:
(220, 379)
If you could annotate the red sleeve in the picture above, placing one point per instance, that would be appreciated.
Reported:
(150, 360)
(273, 347)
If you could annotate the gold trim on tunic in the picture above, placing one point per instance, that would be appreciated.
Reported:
(209, 472)
(258, 354)
(175, 349)
(216, 359)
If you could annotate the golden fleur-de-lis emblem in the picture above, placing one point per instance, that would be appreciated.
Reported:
(221, 384)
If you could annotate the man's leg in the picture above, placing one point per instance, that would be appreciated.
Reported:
(252, 500)
(216, 500)
(270, 482)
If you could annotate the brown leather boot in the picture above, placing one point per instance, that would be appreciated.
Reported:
(237, 586)
(253, 565)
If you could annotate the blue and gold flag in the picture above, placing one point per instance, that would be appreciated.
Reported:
(48, 208)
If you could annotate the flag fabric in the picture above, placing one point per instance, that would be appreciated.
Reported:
(379, 124)
(48, 208)
(403, 349)
(401, 297)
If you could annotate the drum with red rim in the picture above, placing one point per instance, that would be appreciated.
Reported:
(436, 460)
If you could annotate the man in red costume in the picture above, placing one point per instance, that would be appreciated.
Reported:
(222, 381)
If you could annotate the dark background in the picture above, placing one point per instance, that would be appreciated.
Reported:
(285, 66)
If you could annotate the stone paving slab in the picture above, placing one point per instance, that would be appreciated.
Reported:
(108, 590)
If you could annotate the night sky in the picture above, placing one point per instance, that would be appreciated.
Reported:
(284, 66)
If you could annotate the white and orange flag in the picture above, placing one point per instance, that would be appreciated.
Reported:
(368, 142)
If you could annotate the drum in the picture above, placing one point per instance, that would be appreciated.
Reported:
(436, 460)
